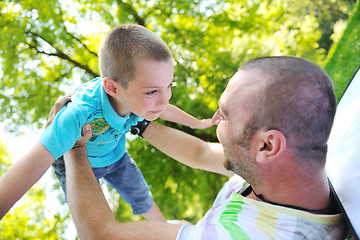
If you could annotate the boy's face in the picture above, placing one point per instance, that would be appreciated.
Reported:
(150, 91)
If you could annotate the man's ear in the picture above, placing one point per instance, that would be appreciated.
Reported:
(111, 86)
(271, 144)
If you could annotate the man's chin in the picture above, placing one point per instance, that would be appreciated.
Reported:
(228, 165)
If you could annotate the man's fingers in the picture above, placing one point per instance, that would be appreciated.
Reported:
(85, 135)
(60, 103)
(86, 131)
(50, 118)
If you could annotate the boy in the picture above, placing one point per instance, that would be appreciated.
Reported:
(136, 69)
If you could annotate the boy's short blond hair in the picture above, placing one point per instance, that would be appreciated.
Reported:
(125, 47)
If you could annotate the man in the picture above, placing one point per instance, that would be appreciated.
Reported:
(274, 120)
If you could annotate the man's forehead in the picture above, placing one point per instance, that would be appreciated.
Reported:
(246, 81)
(246, 78)
(240, 87)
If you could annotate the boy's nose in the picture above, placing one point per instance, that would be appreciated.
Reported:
(164, 99)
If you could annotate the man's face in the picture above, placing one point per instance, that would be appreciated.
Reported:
(232, 117)
(149, 93)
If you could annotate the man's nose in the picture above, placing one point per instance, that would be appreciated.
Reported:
(215, 120)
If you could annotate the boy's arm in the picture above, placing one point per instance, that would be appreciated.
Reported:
(174, 114)
(187, 149)
(21, 176)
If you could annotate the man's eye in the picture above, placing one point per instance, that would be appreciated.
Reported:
(221, 116)
(151, 93)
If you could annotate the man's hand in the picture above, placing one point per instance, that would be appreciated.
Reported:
(86, 130)
(85, 135)
(60, 103)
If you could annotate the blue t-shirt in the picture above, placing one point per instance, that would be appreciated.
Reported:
(90, 104)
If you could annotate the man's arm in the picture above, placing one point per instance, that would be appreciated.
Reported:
(90, 211)
(187, 149)
(21, 176)
(174, 114)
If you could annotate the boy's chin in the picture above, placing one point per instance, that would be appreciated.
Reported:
(151, 117)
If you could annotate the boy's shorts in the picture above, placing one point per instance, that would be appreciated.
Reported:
(124, 176)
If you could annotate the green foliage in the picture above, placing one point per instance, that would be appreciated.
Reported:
(344, 57)
(49, 46)
(4, 159)
(28, 220)
(327, 13)
(38, 55)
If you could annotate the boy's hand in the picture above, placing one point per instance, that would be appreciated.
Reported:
(201, 124)
(60, 103)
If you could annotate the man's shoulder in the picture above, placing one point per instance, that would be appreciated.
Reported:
(235, 183)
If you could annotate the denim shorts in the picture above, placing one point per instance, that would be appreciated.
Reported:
(124, 176)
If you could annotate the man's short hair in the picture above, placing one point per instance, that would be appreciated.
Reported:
(298, 99)
(125, 47)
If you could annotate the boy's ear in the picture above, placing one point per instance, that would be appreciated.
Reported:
(271, 144)
(111, 86)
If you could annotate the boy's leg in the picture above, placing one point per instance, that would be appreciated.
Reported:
(59, 170)
(127, 179)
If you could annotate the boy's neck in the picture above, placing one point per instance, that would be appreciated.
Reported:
(118, 106)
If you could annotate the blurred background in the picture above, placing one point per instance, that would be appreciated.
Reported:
(49, 47)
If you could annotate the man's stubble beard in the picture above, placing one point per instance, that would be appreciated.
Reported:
(238, 159)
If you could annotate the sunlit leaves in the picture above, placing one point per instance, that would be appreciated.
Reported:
(39, 55)
(4, 159)
(344, 57)
(56, 43)
(29, 219)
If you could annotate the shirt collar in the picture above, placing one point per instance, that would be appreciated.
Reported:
(113, 118)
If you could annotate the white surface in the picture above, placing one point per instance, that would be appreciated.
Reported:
(343, 161)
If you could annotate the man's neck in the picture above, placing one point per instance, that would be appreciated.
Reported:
(312, 193)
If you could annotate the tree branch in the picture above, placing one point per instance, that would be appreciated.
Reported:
(78, 40)
(57, 53)
(132, 11)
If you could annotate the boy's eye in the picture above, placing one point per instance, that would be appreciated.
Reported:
(151, 92)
